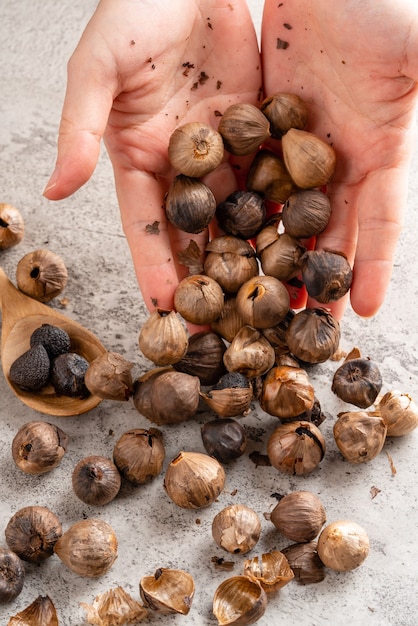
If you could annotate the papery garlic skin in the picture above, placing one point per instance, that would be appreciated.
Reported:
(399, 412)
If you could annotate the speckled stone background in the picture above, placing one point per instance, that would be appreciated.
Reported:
(37, 37)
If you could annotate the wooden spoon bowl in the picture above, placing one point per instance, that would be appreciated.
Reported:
(21, 315)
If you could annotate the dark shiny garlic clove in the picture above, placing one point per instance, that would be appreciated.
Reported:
(399, 412)
(263, 301)
(139, 455)
(109, 377)
(239, 600)
(269, 177)
(243, 128)
(357, 381)
(30, 370)
(12, 575)
(236, 528)
(88, 548)
(54, 339)
(96, 480)
(327, 275)
(305, 563)
(32, 533)
(284, 111)
(224, 438)
(299, 516)
(41, 612)
(42, 275)
(195, 149)
(163, 338)
(287, 392)
(230, 261)
(199, 299)
(189, 204)
(313, 335)
(309, 160)
(249, 353)
(271, 570)
(242, 214)
(231, 396)
(12, 226)
(38, 447)
(204, 357)
(343, 545)
(359, 435)
(114, 607)
(306, 213)
(168, 591)
(282, 256)
(296, 448)
(194, 480)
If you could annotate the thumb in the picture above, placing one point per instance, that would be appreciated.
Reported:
(87, 104)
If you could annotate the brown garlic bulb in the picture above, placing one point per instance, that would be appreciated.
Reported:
(229, 321)
(242, 214)
(199, 299)
(163, 338)
(236, 528)
(276, 335)
(243, 128)
(96, 480)
(272, 570)
(239, 600)
(38, 447)
(299, 516)
(41, 274)
(231, 396)
(12, 575)
(168, 591)
(88, 548)
(343, 545)
(309, 160)
(269, 177)
(32, 533)
(41, 612)
(284, 111)
(230, 261)
(189, 204)
(12, 226)
(399, 412)
(224, 438)
(194, 480)
(306, 213)
(195, 149)
(287, 392)
(296, 448)
(139, 455)
(262, 301)
(357, 381)
(114, 607)
(109, 377)
(249, 353)
(305, 563)
(204, 357)
(327, 275)
(169, 397)
(280, 254)
(359, 435)
(313, 335)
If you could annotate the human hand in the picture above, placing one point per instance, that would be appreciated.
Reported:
(140, 70)
(355, 63)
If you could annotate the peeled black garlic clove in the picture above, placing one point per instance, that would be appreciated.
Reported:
(199, 299)
(230, 261)
(12, 575)
(41, 274)
(305, 563)
(67, 375)
(109, 377)
(38, 447)
(194, 480)
(54, 339)
(284, 111)
(32, 533)
(236, 528)
(239, 600)
(271, 570)
(359, 435)
(262, 301)
(114, 607)
(204, 357)
(296, 448)
(189, 204)
(31, 369)
(168, 591)
(41, 612)
(241, 214)
(139, 455)
(399, 412)
(357, 381)
(195, 149)
(327, 275)
(343, 545)
(12, 226)
(231, 396)
(313, 335)
(96, 480)
(309, 160)
(306, 213)
(299, 516)
(243, 128)
(224, 438)
(269, 177)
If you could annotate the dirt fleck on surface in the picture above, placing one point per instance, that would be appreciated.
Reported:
(153, 229)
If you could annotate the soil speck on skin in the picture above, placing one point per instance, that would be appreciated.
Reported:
(218, 84)
(217, 113)
(288, 26)
(154, 302)
(153, 229)
(281, 44)
(132, 42)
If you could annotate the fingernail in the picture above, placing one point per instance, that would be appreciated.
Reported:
(52, 181)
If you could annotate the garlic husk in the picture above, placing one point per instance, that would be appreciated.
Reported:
(249, 353)
(327, 275)
(189, 204)
(309, 160)
(231, 396)
(305, 563)
(357, 381)
(306, 213)
(299, 516)
(359, 435)
(229, 321)
(399, 412)
(262, 301)
(12, 226)
(204, 357)
(313, 335)
(32, 533)
(38, 447)
(41, 612)
(236, 528)
(199, 299)
(239, 600)
(287, 392)
(114, 607)
(230, 261)
(88, 548)
(139, 455)
(282, 257)
(41, 274)
(343, 545)
(241, 214)
(194, 480)
(296, 448)
(195, 149)
(243, 128)
(271, 570)
(284, 111)
(163, 338)
(12, 575)
(269, 177)
(168, 591)
(109, 377)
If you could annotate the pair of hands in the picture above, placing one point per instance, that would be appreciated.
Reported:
(142, 68)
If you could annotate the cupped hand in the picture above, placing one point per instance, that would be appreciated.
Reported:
(355, 63)
(140, 70)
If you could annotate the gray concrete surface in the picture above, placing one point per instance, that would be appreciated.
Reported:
(37, 38)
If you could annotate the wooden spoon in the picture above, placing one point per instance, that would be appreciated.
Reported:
(21, 315)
